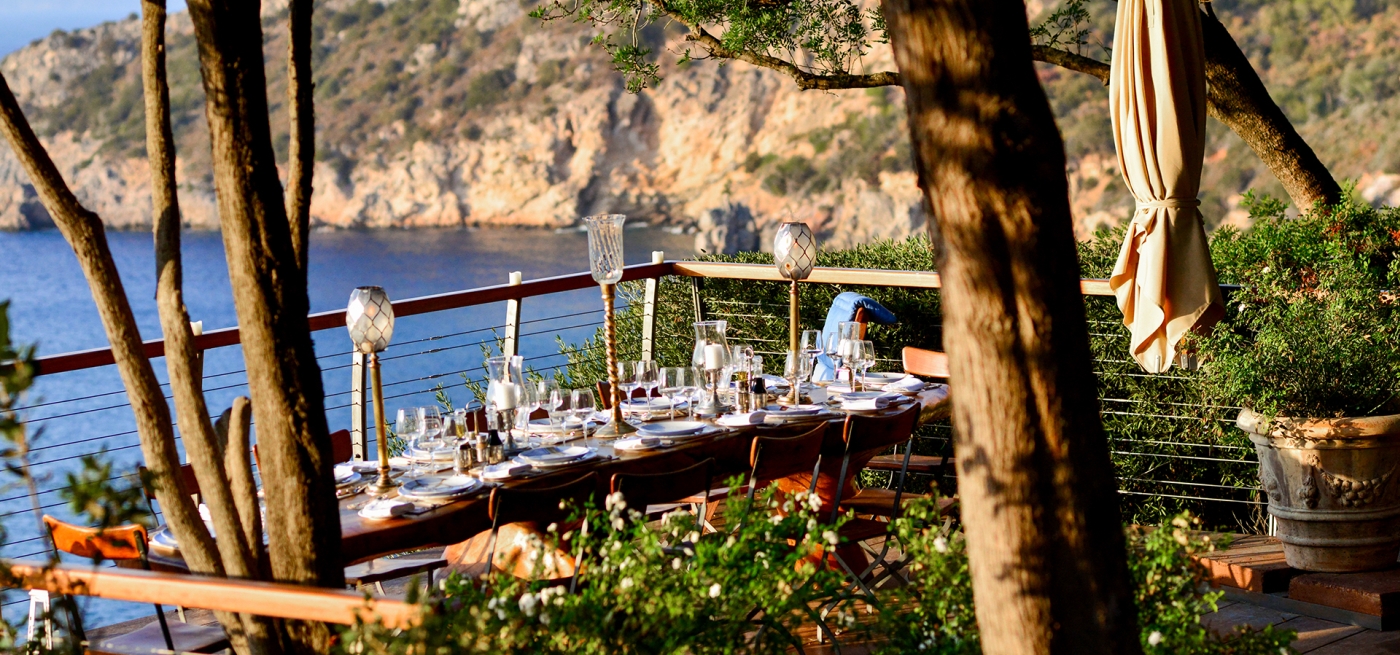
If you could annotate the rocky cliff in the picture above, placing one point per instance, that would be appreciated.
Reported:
(469, 113)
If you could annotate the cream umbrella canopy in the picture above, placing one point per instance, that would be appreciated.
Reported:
(1164, 279)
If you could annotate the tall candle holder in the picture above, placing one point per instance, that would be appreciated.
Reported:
(370, 319)
(795, 253)
(606, 263)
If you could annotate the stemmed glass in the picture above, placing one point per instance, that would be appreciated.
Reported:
(811, 345)
(796, 367)
(672, 383)
(862, 358)
(408, 427)
(582, 406)
(692, 383)
(430, 435)
(627, 381)
(836, 349)
(560, 407)
(547, 395)
(648, 377)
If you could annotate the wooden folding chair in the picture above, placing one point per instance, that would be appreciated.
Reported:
(129, 543)
(645, 490)
(536, 505)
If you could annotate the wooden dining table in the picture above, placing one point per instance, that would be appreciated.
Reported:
(458, 522)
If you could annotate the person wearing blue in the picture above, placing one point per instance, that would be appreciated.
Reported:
(844, 308)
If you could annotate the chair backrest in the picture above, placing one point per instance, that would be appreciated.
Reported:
(605, 394)
(863, 317)
(772, 458)
(643, 489)
(186, 474)
(126, 542)
(863, 433)
(926, 363)
(517, 505)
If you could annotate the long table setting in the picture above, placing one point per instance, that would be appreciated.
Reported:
(643, 419)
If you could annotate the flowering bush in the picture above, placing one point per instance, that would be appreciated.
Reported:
(935, 613)
(642, 588)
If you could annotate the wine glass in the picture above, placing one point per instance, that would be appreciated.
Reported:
(836, 350)
(626, 381)
(560, 407)
(582, 405)
(408, 428)
(648, 377)
(863, 357)
(811, 344)
(796, 367)
(692, 383)
(672, 383)
(429, 436)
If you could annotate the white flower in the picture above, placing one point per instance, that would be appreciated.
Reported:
(832, 538)
(1155, 638)
(528, 603)
(940, 544)
(1266, 270)
(692, 537)
(715, 589)
(544, 618)
(775, 519)
(814, 502)
(553, 527)
(676, 563)
(627, 583)
(615, 501)
(618, 523)
(811, 525)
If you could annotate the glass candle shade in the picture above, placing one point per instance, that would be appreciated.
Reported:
(370, 319)
(605, 247)
(795, 251)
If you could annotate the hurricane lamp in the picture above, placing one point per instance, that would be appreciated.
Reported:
(370, 319)
(605, 261)
(795, 252)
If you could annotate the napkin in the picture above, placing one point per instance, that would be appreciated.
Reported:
(504, 470)
(878, 402)
(909, 384)
(343, 471)
(385, 508)
(637, 443)
(738, 420)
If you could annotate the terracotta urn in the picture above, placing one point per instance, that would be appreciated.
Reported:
(1331, 487)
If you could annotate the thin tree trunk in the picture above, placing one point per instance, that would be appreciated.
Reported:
(84, 232)
(182, 359)
(1239, 99)
(1046, 546)
(269, 290)
(301, 111)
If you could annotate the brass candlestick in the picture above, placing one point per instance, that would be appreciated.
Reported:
(370, 320)
(617, 427)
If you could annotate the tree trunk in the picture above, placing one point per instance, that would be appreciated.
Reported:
(301, 111)
(1045, 540)
(1239, 99)
(269, 290)
(239, 555)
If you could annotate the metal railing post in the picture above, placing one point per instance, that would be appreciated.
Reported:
(697, 284)
(512, 342)
(358, 384)
(649, 310)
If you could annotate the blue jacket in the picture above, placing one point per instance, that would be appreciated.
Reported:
(843, 308)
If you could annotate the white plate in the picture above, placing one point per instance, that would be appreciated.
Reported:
(861, 395)
(649, 405)
(636, 444)
(554, 454)
(435, 487)
(672, 428)
(793, 410)
(352, 480)
(884, 378)
(561, 464)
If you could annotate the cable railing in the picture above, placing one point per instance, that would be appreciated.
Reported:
(435, 357)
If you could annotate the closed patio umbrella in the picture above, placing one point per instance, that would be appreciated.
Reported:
(1164, 279)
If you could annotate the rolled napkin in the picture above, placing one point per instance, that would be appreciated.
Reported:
(380, 509)
(740, 420)
(637, 443)
(907, 385)
(867, 404)
(504, 470)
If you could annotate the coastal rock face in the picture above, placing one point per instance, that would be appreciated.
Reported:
(543, 131)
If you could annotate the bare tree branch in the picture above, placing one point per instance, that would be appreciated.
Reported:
(1071, 61)
(302, 113)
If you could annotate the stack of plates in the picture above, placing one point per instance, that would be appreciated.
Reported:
(557, 456)
(793, 413)
(434, 488)
(651, 405)
(439, 454)
(637, 443)
(879, 380)
(673, 429)
(346, 475)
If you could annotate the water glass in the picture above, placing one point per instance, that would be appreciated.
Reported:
(796, 367)
(407, 427)
(672, 383)
(693, 384)
(863, 357)
(582, 405)
(559, 405)
(626, 380)
(648, 377)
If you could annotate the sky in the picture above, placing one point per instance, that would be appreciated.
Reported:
(22, 21)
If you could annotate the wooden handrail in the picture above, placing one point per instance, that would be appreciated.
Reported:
(84, 359)
(284, 601)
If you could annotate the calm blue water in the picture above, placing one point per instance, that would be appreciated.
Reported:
(84, 411)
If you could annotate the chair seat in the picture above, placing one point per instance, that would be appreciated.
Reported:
(187, 637)
(855, 530)
(872, 501)
(384, 569)
(926, 464)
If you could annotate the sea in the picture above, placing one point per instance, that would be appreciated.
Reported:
(80, 413)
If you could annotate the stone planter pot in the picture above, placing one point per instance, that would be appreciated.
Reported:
(1331, 487)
